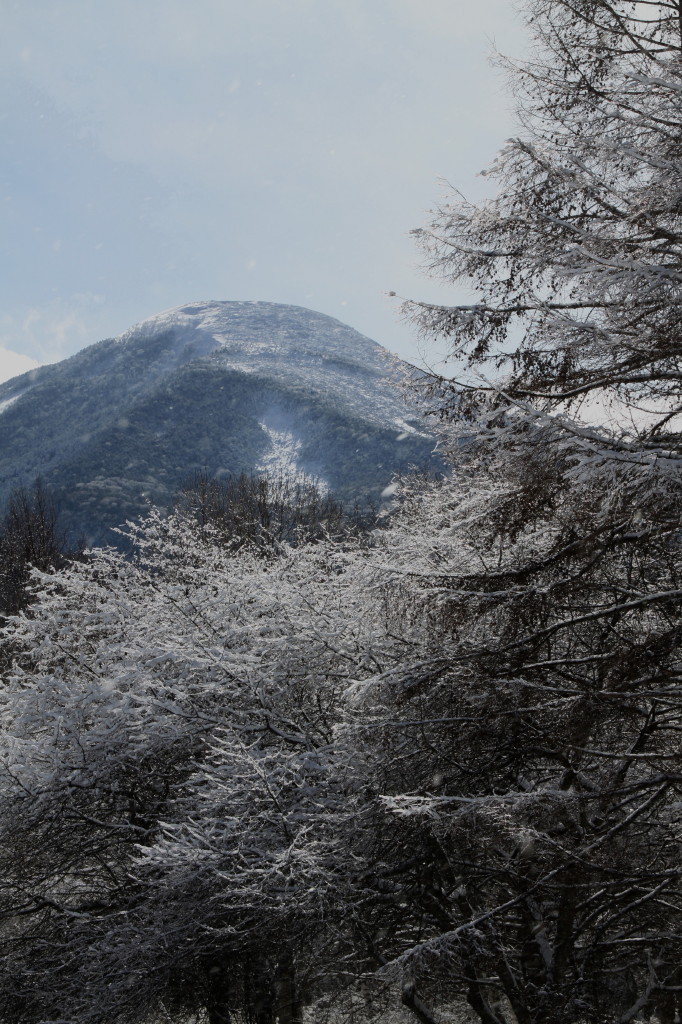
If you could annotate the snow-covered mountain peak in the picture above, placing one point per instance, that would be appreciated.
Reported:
(265, 331)
(212, 387)
(280, 342)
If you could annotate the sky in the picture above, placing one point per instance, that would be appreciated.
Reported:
(158, 153)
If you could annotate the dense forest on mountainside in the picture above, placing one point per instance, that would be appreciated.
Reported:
(425, 771)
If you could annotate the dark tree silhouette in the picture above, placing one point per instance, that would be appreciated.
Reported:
(30, 537)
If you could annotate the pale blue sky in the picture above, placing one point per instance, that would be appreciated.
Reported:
(156, 152)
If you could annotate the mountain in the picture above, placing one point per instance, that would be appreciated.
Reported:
(220, 387)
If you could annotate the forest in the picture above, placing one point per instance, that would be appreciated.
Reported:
(277, 763)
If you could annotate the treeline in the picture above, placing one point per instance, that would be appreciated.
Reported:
(254, 508)
(267, 510)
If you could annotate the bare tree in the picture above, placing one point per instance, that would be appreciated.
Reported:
(268, 511)
(30, 536)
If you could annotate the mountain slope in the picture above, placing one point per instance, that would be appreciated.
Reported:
(218, 386)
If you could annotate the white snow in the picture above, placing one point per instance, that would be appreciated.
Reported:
(312, 349)
(390, 491)
(282, 457)
(407, 428)
(10, 401)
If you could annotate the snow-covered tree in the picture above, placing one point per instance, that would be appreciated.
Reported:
(527, 741)
(173, 804)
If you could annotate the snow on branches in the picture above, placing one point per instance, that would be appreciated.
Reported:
(172, 799)
(434, 768)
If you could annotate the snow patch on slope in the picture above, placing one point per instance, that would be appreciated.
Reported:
(282, 459)
(10, 401)
(408, 428)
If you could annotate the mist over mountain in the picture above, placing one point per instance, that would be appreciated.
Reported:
(220, 387)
